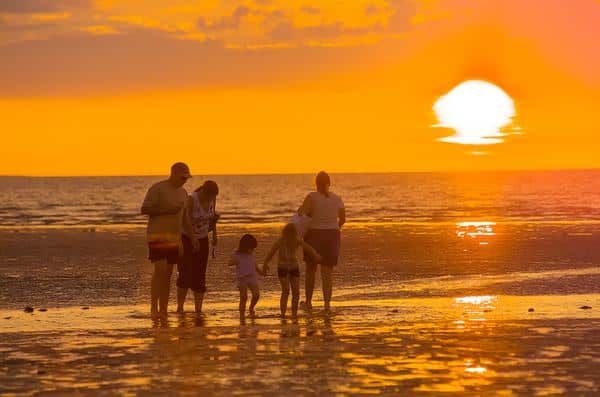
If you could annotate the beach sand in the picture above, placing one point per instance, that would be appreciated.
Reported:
(416, 310)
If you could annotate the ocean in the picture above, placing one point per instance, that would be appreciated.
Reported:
(547, 196)
(466, 283)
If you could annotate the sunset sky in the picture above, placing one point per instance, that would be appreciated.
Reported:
(122, 87)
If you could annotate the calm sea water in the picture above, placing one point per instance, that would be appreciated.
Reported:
(401, 197)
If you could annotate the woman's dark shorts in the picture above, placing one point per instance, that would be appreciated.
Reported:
(163, 250)
(192, 266)
(284, 272)
(326, 242)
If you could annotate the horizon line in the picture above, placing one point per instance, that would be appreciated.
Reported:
(311, 173)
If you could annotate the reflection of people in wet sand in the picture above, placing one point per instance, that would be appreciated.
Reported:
(245, 269)
(164, 204)
(328, 215)
(198, 221)
(288, 269)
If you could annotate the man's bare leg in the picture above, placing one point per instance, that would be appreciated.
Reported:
(155, 286)
(166, 269)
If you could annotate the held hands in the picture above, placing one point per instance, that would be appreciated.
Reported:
(265, 269)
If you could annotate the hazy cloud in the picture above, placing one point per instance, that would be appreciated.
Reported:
(310, 10)
(286, 30)
(232, 21)
(248, 24)
(371, 9)
(39, 6)
(146, 59)
(403, 11)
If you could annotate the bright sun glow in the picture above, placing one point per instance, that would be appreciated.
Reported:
(476, 110)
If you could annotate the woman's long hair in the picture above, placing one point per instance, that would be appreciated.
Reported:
(209, 188)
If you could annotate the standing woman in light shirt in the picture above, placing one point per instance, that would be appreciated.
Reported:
(327, 213)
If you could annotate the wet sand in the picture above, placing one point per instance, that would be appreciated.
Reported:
(417, 310)
(482, 345)
(50, 267)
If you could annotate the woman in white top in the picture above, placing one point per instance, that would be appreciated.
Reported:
(327, 213)
(199, 220)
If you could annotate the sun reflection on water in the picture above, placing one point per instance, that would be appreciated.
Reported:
(481, 232)
(475, 229)
(475, 370)
(476, 300)
(476, 308)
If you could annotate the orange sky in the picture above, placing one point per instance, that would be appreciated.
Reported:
(111, 87)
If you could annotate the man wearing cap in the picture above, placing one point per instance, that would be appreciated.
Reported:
(164, 203)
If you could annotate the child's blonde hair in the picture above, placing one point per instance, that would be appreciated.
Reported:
(289, 236)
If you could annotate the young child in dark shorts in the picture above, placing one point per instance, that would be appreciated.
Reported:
(288, 269)
(245, 263)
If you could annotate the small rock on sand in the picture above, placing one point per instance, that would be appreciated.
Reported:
(28, 309)
(585, 307)
(531, 309)
(395, 311)
(42, 310)
(85, 308)
(8, 318)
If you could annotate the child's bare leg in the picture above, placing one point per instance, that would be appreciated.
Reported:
(181, 295)
(285, 292)
(255, 297)
(295, 284)
(243, 298)
(198, 299)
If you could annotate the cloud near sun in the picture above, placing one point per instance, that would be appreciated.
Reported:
(235, 24)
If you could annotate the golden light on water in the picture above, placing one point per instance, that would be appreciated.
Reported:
(477, 111)
(480, 231)
(475, 370)
(476, 307)
(476, 300)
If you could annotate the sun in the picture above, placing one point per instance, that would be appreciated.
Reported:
(477, 111)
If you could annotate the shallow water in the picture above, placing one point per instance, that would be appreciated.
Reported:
(75, 267)
(418, 309)
(470, 344)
